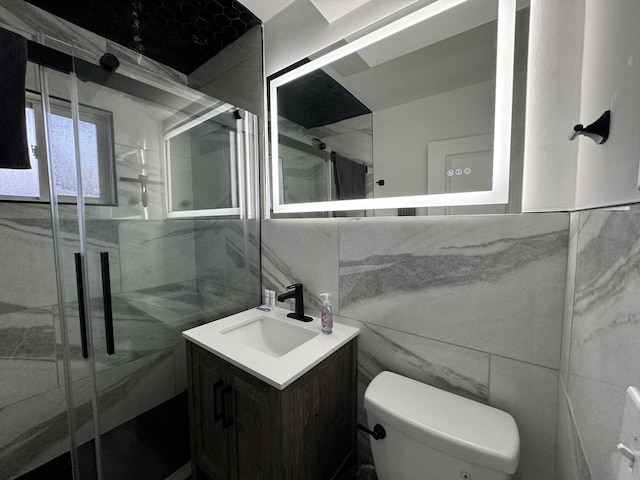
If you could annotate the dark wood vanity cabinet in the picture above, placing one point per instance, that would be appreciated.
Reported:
(244, 429)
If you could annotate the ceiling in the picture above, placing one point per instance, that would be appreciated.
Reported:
(265, 9)
(331, 10)
(182, 34)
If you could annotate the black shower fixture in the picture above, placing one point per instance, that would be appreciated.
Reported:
(182, 34)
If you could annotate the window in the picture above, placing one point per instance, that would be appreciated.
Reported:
(96, 148)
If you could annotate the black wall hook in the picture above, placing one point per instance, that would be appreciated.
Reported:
(598, 130)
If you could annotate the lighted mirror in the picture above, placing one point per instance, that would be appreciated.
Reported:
(204, 162)
(416, 117)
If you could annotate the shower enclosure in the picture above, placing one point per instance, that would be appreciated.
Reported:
(137, 222)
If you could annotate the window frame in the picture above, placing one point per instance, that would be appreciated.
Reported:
(103, 120)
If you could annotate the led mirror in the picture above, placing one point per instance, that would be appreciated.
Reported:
(204, 162)
(417, 113)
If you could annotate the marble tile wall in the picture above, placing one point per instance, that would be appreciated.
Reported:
(472, 305)
(600, 351)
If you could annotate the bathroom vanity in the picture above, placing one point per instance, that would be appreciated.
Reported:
(250, 419)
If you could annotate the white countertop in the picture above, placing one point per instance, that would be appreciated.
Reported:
(276, 371)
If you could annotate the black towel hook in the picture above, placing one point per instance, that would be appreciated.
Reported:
(598, 130)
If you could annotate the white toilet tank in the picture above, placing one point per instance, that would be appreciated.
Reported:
(436, 435)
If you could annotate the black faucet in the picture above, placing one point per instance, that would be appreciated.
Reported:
(295, 292)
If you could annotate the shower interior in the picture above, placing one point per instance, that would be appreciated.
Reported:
(179, 237)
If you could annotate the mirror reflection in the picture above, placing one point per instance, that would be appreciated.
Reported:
(203, 155)
(411, 115)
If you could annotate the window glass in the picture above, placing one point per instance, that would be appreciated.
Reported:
(96, 149)
(23, 183)
(63, 155)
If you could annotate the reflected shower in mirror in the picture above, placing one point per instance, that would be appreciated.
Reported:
(204, 156)
(427, 119)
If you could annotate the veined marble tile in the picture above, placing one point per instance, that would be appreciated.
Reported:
(530, 394)
(606, 318)
(245, 47)
(33, 432)
(129, 390)
(571, 463)
(302, 251)
(19, 211)
(491, 283)
(180, 365)
(243, 255)
(176, 306)
(136, 123)
(222, 300)
(357, 146)
(27, 263)
(100, 236)
(597, 408)
(572, 265)
(156, 253)
(27, 355)
(448, 367)
(211, 249)
(136, 334)
(130, 163)
(241, 86)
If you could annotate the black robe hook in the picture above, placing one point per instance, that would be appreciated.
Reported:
(598, 130)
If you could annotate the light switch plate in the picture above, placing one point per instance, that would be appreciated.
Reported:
(629, 437)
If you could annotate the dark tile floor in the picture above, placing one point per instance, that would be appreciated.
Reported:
(149, 447)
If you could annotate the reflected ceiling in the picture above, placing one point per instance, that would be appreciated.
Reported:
(182, 34)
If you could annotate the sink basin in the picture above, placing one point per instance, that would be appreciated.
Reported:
(267, 344)
(270, 336)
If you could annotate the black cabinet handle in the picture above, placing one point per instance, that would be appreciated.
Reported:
(82, 314)
(106, 299)
(218, 414)
(227, 421)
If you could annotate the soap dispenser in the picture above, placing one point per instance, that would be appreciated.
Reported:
(326, 318)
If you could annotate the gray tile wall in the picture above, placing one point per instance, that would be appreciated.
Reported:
(600, 352)
(473, 305)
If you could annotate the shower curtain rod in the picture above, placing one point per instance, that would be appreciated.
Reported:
(87, 71)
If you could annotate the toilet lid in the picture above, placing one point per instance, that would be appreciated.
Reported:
(461, 427)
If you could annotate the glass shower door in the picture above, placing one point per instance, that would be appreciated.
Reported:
(148, 271)
(102, 275)
(71, 315)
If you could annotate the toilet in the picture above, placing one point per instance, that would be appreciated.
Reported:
(436, 435)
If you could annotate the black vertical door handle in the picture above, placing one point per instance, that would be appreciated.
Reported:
(106, 299)
(82, 314)
(218, 413)
(227, 419)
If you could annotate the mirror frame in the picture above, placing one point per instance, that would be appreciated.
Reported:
(502, 118)
(238, 189)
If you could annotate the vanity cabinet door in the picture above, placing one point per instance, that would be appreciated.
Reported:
(231, 421)
(252, 442)
(209, 436)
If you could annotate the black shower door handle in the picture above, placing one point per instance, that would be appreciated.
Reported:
(82, 314)
(106, 299)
